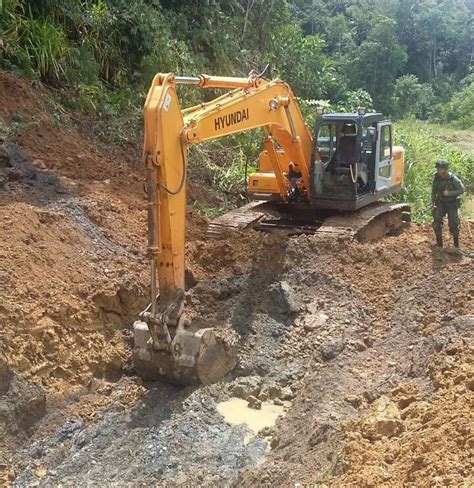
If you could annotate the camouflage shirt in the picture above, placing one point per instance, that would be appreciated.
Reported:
(452, 183)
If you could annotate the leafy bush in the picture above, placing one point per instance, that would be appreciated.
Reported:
(302, 63)
(412, 98)
(460, 109)
(221, 164)
(37, 45)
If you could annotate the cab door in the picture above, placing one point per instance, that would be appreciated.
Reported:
(383, 157)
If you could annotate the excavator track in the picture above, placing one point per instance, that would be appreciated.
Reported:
(237, 219)
(368, 223)
(364, 225)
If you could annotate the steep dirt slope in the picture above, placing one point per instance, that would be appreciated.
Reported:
(71, 218)
(394, 408)
(73, 226)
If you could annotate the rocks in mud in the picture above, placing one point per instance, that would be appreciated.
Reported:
(354, 400)
(452, 336)
(383, 421)
(254, 402)
(275, 392)
(70, 428)
(286, 393)
(4, 163)
(370, 395)
(282, 299)
(322, 431)
(359, 346)
(332, 348)
(116, 306)
(6, 375)
(253, 388)
(269, 391)
(22, 404)
(14, 164)
(267, 431)
(246, 386)
(404, 395)
(274, 442)
(4, 157)
(316, 322)
(455, 346)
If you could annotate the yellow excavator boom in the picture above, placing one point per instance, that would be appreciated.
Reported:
(251, 103)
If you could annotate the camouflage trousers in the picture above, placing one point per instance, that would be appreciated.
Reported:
(439, 212)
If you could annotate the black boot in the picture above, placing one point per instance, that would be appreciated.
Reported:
(439, 239)
(456, 240)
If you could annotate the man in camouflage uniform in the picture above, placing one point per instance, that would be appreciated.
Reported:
(445, 193)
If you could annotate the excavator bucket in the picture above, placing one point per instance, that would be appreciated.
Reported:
(197, 356)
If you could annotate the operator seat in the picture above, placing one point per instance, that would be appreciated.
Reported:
(344, 155)
(345, 152)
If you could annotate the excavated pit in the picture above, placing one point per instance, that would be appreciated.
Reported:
(319, 327)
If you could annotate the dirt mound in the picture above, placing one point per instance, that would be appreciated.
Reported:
(73, 271)
(374, 324)
(73, 266)
(430, 441)
(70, 258)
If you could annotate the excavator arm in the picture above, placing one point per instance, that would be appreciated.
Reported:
(173, 348)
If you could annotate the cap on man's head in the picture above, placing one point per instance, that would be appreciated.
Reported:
(442, 164)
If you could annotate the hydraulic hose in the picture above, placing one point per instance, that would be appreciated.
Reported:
(183, 173)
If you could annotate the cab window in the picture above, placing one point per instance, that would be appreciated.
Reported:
(326, 141)
(385, 142)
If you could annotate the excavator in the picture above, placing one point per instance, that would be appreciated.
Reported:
(334, 176)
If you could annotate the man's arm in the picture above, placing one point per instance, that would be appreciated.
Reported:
(458, 188)
(433, 192)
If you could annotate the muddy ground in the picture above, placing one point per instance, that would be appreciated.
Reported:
(368, 346)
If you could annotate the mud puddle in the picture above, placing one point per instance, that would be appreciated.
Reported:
(237, 411)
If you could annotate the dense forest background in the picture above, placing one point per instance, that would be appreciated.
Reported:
(410, 59)
(400, 56)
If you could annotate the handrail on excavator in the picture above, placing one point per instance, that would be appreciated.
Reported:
(207, 81)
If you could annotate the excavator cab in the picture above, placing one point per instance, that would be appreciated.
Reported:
(353, 160)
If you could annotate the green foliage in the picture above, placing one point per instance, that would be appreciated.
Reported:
(16, 126)
(325, 49)
(37, 45)
(401, 57)
(207, 211)
(423, 145)
(225, 172)
(412, 98)
(460, 109)
(377, 62)
(302, 62)
(349, 103)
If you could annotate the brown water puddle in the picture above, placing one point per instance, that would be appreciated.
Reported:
(237, 412)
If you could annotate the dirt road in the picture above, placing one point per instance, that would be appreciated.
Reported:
(366, 348)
